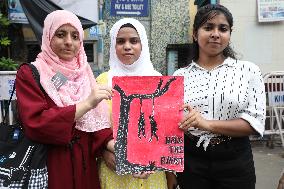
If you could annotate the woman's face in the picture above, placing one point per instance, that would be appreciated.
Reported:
(66, 42)
(128, 45)
(213, 36)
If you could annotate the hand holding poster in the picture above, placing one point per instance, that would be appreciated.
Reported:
(146, 113)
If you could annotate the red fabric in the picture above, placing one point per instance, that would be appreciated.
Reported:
(46, 123)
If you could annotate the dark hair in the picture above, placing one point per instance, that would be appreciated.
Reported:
(206, 13)
(127, 25)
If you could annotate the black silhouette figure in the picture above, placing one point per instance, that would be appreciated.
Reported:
(141, 122)
(153, 123)
(122, 164)
(154, 128)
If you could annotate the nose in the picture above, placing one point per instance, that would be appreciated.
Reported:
(68, 39)
(127, 46)
(215, 34)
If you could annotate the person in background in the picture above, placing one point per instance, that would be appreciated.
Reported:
(224, 104)
(129, 56)
(70, 117)
(281, 181)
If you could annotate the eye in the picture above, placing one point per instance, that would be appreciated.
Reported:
(120, 41)
(75, 36)
(224, 28)
(134, 40)
(207, 27)
(60, 34)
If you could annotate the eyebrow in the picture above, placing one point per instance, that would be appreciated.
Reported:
(128, 37)
(212, 24)
(63, 30)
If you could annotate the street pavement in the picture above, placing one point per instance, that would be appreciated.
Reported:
(269, 163)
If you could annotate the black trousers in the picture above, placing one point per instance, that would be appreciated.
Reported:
(228, 165)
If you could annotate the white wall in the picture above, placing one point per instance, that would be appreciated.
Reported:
(261, 43)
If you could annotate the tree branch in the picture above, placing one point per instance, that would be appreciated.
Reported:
(121, 92)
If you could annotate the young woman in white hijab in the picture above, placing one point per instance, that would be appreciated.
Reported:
(129, 56)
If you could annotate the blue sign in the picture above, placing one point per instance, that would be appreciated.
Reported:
(16, 13)
(136, 8)
(93, 31)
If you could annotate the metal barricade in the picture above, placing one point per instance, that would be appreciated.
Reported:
(274, 89)
(7, 79)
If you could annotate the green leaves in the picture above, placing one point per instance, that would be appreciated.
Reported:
(7, 64)
(3, 21)
(5, 41)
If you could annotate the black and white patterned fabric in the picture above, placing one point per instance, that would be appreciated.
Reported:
(38, 180)
(234, 89)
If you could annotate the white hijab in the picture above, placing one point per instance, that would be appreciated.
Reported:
(143, 66)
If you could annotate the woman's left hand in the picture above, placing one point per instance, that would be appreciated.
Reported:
(110, 145)
(109, 159)
(193, 119)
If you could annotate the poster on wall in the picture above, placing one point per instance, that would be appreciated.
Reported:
(146, 113)
(16, 13)
(270, 10)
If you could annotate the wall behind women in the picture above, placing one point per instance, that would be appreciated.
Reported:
(261, 43)
(170, 25)
(167, 23)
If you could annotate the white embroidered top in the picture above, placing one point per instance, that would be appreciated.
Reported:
(234, 89)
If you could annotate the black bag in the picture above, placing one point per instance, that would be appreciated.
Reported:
(22, 161)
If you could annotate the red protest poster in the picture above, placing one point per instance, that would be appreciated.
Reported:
(146, 112)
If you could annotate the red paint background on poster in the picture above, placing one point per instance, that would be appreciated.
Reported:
(167, 115)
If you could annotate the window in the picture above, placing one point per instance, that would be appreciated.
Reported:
(178, 56)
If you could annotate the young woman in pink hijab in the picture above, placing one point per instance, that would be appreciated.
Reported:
(71, 116)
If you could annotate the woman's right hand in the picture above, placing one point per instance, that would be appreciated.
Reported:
(101, 92)
(193, 120)
(98, 94)
(143, 175)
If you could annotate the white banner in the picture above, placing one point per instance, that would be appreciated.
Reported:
(270, 10)
(85, 8)
(6, 85)
(276, 98)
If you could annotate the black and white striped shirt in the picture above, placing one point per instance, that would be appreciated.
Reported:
(234, 89)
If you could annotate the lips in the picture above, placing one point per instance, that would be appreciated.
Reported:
(67, 50)
(128, 54)
(213, 42)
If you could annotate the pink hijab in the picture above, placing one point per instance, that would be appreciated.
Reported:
(80, 78)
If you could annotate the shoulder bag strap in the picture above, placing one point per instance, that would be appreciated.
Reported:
(7, 108)
(36, 77)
